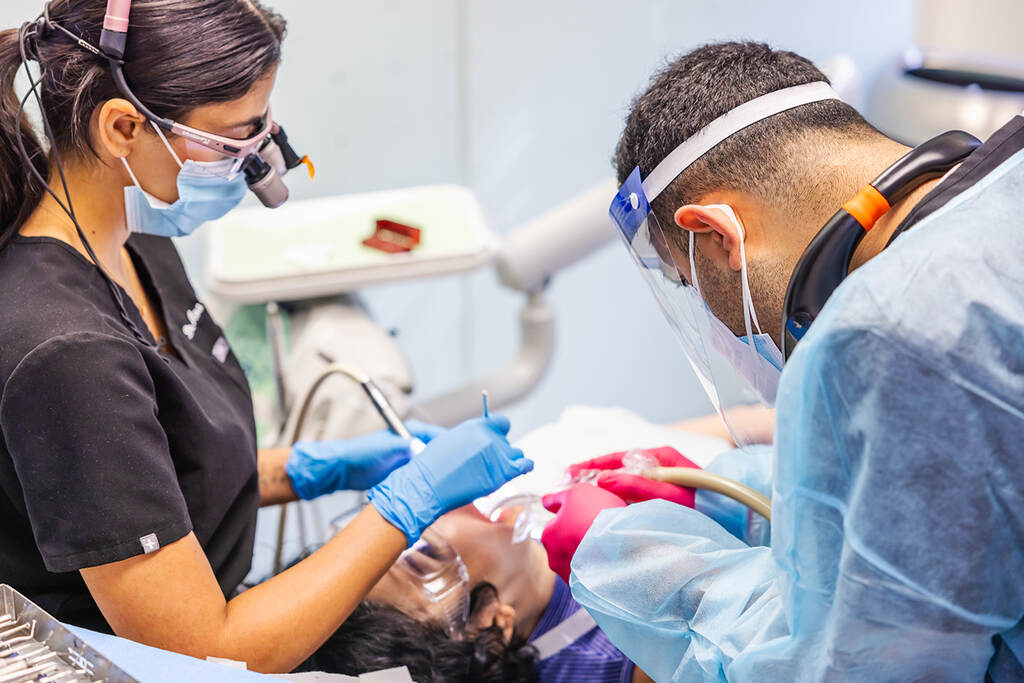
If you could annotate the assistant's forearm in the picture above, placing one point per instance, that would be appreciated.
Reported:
(276, 625)
(275, 485)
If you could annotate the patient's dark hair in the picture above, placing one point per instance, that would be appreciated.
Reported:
(376, 637)
(700, 86)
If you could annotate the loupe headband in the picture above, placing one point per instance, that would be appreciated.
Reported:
(265, 157)
(113, 39)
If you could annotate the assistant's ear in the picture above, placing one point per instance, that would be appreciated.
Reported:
(718, 224)
(120, 125)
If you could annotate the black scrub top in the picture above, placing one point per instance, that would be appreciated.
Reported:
(110, 448)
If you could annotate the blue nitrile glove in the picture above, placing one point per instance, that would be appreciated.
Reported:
(457, 467)
(319, 467)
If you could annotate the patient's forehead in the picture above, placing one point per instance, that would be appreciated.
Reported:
(396, 590)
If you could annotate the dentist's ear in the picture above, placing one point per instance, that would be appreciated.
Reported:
(721, 233)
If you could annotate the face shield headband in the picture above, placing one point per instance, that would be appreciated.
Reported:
(264, 158)
(731, 370)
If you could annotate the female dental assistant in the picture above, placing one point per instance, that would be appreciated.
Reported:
(129, 473)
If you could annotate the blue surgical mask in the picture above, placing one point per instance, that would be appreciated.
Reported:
(759, 363)
(207, 191)
(767, 349)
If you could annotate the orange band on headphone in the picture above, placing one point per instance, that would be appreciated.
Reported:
(867, 207)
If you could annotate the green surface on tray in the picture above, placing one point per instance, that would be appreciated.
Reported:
(326, 235)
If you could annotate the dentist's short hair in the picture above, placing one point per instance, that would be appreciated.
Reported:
(698, 87)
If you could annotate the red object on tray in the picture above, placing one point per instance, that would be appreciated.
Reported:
(393, 237)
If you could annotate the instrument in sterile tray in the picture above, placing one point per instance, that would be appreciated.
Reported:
(36, 647)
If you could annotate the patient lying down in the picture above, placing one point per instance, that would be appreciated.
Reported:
(515, 599)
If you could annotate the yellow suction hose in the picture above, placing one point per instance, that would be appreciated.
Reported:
(699, 479)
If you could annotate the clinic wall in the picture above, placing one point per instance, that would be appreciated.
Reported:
(549, 85)
(529, 101)
(522, 101)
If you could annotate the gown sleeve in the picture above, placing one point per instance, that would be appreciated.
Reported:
(897, 534)
(677, 593)
(80, 419)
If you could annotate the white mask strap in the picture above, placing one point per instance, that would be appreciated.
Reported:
(167, 145)
(748, 300)
(150, 199)
(124, 160)
(693, 267)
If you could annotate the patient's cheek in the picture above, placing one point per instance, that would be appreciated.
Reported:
(472, 534)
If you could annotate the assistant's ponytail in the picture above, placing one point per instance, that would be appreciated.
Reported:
(20, 192)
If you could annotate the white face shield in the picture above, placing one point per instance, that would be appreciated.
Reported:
(736, 372)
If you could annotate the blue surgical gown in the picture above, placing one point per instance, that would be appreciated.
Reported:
(897, 549)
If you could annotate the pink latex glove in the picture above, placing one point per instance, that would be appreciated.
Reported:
(635, 489)
(575, 509)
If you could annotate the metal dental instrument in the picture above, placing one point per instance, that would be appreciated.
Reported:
(379, 399)
(380, 402)
(387, 412)
(36, 648)
(8, 632)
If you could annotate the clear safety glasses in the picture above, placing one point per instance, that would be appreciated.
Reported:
(228, 147)
(435, 567)
(740, 382)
